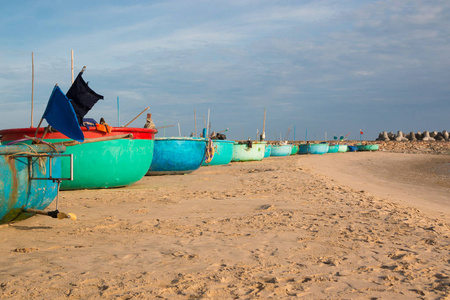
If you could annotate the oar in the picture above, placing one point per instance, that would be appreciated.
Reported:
(137, 116)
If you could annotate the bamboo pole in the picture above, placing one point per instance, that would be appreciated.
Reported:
(32, 87)
(95, 140)
(207, 129)
(137, 116)
(71, 64)
(195, 121)
(264, 126)
(179, 130)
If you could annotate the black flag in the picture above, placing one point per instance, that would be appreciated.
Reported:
(83, 97)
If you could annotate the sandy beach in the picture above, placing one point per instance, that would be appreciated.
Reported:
(370, 225)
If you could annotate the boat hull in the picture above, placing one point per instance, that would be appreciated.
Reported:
(343, 148)
(242, 152)
(333, 148)
(177, 156)
(267, 150)
(106, 164)
(222, 154)
(281, 150)
(352, 148)
(313, 149)
(368, 147)
(17, 190)
(294, 149)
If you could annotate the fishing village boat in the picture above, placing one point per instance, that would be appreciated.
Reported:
(352, 148)
(294, 149)
(343, 148)
(223, 152)
(28, 180)
(373, 147)
(177, 155)
(267, 150)
(313, 149)
(121, 159)
(248, 151)
(281, 150)
(333, 148)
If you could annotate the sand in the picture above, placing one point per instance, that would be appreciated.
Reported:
(338, 226)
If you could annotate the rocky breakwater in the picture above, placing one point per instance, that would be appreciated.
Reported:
(417, 147)
(414, 136)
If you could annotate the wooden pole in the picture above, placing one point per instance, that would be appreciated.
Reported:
(32, 87)
(137, 116)
(207, 129)
(264, 125)
(195, 121)
(179, 130)
(71, 64)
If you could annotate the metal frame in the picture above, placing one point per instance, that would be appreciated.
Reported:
(32, 157)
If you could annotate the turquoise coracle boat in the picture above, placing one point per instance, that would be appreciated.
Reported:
(368, 147)
(112, 162)
(281, 150)
(223, 152)
(333, 148)
(268, 150)
(313, 149)
(294, 149)
(248, 151)
(23, 169)
(177, 155)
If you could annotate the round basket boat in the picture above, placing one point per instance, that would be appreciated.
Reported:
(333, 148)
(22, 177)
(313, 149)
(245, 151)
(177, 155)
(223, 152)
(105, 164)
(281, 150)
(374, 147)
(267, 150)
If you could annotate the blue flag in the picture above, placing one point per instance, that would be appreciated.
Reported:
(61, 116)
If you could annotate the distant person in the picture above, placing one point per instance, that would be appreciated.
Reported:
(149, 124)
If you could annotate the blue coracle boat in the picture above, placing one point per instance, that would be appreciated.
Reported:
(223, 152)
(281, 150)
(25, 171)
(313, 149)
(177, 155)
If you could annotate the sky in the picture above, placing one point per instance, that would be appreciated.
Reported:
(320, 68)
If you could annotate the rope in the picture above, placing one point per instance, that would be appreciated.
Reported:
(209, 151)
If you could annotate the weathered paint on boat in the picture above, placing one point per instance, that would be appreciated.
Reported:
(374, 147)
(17, 190)
(177, 155)
(313, 149)
(267, 150)
(223, 151)
(343, 148)
(333, 148)
(352, 148)
(281, 150)
(294, 149)
(106, 164)
(242, 152)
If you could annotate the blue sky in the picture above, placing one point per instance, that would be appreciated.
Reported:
(319, 66)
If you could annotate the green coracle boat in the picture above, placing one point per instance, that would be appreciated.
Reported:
(343, 148)
(104, 164)
(248, 151)
(294, 149)
(374, 147)
(333, 148)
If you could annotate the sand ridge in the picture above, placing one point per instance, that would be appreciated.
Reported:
(280, 228)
